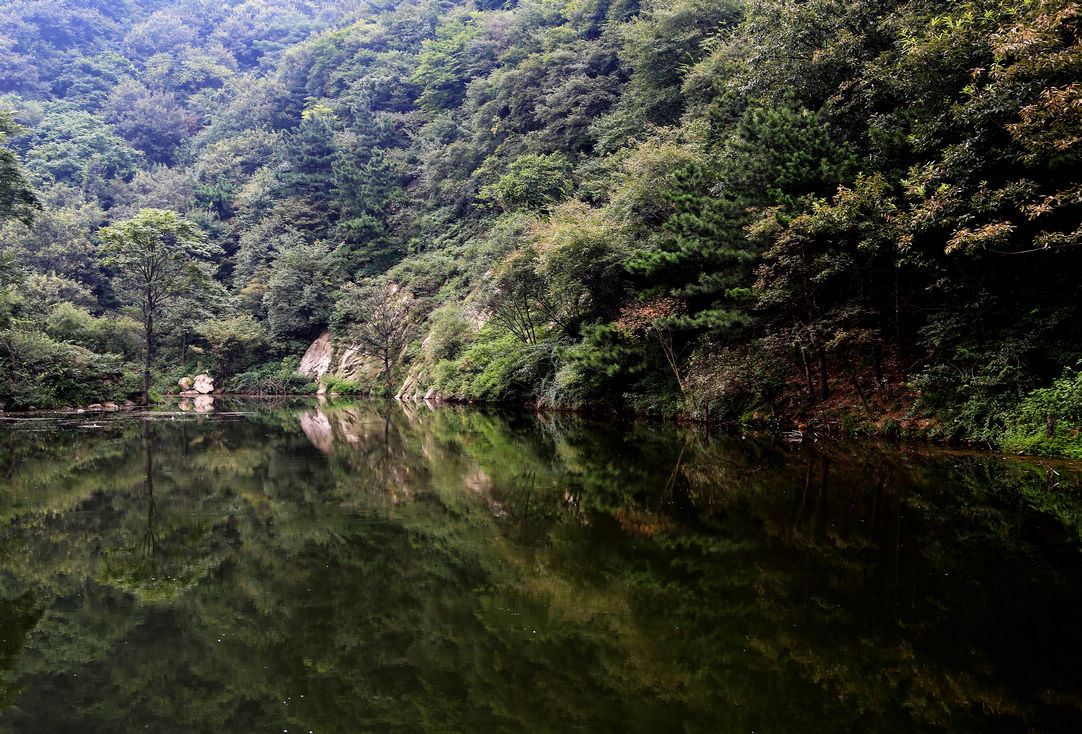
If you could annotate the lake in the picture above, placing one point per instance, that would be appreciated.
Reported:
(378, 567)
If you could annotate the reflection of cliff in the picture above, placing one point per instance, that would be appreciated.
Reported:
(371, 443)
(318, 429)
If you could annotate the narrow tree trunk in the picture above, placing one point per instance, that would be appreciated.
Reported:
(824, 382)
(148, 356)
(898, 317)
(807, 373)
(877, 365)
(856, 386)
(670, 357)
(821, 357)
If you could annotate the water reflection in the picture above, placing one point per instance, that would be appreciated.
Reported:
(343, 567)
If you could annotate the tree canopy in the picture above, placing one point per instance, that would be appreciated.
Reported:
(868, 213)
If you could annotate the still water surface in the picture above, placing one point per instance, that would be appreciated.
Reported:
(343, 568)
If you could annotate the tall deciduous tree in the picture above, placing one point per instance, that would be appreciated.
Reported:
(157, 255)
(384, 322)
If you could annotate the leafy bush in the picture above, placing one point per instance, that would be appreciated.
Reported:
(970, 385)
(1048, 421)
(234, 342)
(532, 182)
(276, 378)
(345, 387)
(730, 383)
(70, 323)
(120, 335)
(600, 369)
(499, 367)
(447, 335)
(41, 372)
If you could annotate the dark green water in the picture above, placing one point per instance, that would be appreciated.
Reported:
(375, 568)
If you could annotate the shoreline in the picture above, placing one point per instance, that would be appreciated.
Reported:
(827, 432)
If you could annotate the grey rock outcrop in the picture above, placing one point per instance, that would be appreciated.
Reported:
(342, 361)
(317, 360)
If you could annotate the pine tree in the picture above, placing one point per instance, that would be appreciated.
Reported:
(705, 260)
(363, 187)
(309, 157)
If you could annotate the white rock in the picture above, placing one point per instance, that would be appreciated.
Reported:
(317, 360)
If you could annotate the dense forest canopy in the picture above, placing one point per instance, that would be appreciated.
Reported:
(810, 211)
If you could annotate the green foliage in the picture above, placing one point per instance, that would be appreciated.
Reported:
(299, 294)
(61, 242)
(532, 182)
(37, 371)
(279, 378)
(76, 148)
(336, 386)
(234, 343)
(380, 317)
(152, 121)
(69, 323)
(498, 367)
(448, 333)
(659, 43)
(159, 257)
(17, 199)
(446, 63)
(309, 153)
(862, 208)
(1048, 421)
(364, 187)
(732, 383)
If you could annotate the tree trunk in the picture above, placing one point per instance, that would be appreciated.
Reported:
(856, 386)
(898, 317)
(148, 356)
(807, 374)
(824, 382)
(877, 365)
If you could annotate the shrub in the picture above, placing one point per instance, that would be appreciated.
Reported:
(275, 378)
(730, 383)
(70, 323)
(39, 371)
(345, 387)
(499, 367)
(1048, 421)
(447, 335)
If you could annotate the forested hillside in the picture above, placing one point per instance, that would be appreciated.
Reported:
(865, 212)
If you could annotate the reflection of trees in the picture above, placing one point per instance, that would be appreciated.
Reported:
(465, 570)
(877, 578)
(150, 537)
(18, 617)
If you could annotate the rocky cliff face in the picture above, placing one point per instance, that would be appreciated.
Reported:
(327, 358)
(317, 360)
